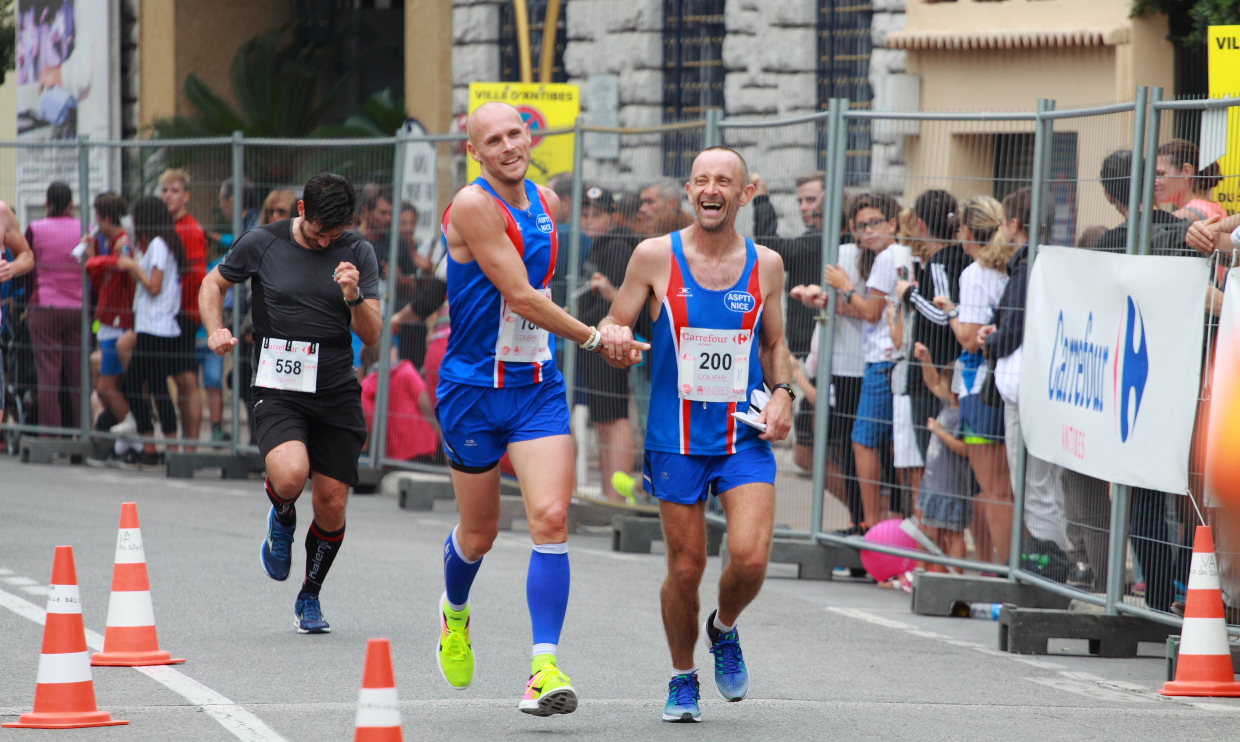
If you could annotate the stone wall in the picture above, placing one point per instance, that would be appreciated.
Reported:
(770, 57)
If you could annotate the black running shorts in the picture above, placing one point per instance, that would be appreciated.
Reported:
(330, 422)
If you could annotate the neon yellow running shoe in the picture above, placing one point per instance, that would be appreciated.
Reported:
(455, 654)
(548, 691)
(623, 485)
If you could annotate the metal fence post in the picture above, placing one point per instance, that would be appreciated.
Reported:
(378, 437)
(238, 178)
(1151, 162)
(84, 210)
(833, 204)
(712, 137)
(1117, 546)
(574, 263)
(1043, 133)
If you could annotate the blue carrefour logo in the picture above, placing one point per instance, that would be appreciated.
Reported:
(1136, 370)
(739, 301)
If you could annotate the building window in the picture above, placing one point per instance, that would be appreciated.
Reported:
(693, 32)
(510, 61)
(844, 72)
(1013, 170)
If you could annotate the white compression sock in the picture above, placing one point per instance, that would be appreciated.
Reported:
(692, 671)
(545, 649)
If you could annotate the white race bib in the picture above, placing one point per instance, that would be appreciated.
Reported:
(713, 365)
(519, 340)
(292, 365)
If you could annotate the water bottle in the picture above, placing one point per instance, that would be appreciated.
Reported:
(986, 611)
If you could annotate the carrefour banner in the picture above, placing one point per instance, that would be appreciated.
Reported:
(1112, 363)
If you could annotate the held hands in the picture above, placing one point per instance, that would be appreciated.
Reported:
(1202, 235)
(618, 347)
(777, 415)
(127, 264)
(221, 341)
(347, 276)
(812, 296)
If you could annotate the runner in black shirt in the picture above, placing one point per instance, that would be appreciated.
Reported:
(311, 283)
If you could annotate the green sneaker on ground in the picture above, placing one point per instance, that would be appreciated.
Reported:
(455, 654)
(548, 692)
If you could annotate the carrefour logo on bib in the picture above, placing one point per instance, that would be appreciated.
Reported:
(545, 224)
(1083, 361)
(739, 301)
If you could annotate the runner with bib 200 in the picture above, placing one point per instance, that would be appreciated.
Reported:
(499, 391)
(311, 283)
(718, 339)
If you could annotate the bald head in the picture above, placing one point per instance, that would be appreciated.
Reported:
(713, 157)
(490, 115)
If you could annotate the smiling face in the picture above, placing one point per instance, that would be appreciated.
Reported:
(499, 141)
(1172, 186)
(718, 188)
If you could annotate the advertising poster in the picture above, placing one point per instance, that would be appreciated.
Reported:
(1112, 364)
(64, 90)
(544, 107)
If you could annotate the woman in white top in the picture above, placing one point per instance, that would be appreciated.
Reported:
(981, 424)
(883, 262)
(156, 304)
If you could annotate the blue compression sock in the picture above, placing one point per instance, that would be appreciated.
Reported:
(458, 572)
(546, 591)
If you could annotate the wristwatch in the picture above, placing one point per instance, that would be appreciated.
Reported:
(787, 388)
(354, 302)
(848, 295)
(952, 313)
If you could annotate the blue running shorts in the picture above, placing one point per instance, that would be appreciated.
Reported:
(109, 362)
(479, 422)
(674, 477)
(872, 427)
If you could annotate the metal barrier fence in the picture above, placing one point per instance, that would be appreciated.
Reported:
(997, 512)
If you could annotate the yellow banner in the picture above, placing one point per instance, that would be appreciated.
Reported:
(550, 106)
(1224, 59)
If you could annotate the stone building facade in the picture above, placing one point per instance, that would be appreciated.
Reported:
(771, 61)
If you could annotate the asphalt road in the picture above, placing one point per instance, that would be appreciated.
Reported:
(829, 660)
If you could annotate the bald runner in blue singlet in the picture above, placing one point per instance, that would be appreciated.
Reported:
(714, 299)
(501, 393)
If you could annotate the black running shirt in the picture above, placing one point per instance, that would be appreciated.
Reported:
(294, 296)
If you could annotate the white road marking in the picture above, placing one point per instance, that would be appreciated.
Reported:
(243, 724)
(1081, 683)
(1096, 692)
(4, 571)
(37, 589)
(18, 581)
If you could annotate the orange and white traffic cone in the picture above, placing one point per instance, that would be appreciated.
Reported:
(378, 715)
(130, 638)
(1204, 664)
(64, 694)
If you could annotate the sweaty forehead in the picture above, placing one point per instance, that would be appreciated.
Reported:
(490, 117)
(717, 162)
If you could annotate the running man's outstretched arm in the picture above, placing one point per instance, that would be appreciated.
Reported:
(773, 347)
(476, 220)
(645, 267)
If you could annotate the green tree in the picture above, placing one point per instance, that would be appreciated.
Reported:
(1203, 13)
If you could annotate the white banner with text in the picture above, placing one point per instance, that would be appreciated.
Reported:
(1112, 364)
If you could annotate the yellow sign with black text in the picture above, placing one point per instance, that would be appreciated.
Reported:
(543, 107)
(1224, 60)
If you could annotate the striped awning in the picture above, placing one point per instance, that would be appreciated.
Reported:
(1001, 38)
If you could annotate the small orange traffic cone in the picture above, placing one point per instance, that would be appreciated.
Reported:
(378, 714)
(64, 694)
(130, 638)
(1204, 665)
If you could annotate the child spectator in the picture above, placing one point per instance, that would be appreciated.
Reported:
(947, 486)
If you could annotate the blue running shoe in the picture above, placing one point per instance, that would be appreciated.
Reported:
(731, 677)
(277, 551)
(682, 699)
(309, 616)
